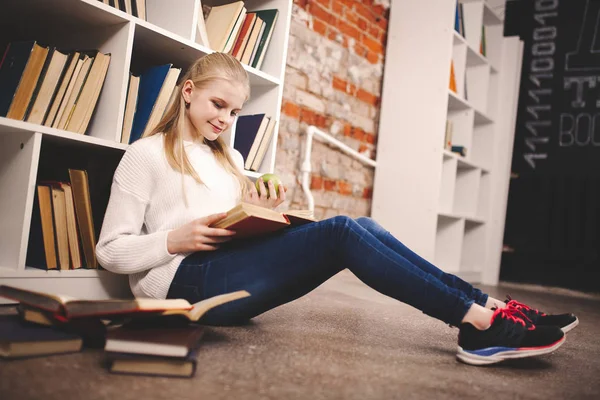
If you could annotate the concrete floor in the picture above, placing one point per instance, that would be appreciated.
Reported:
(342, 341)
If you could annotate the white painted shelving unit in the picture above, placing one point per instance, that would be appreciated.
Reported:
(448, 208)
(29, 152)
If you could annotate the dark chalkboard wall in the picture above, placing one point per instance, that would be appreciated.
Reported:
(553, 215)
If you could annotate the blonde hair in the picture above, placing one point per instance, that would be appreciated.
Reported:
(205, 70)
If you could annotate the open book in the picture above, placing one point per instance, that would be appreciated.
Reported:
(65, 308)
(251, 220)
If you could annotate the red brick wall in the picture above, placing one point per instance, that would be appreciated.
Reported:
(333, 81)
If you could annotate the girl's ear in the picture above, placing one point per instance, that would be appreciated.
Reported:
(186, 90)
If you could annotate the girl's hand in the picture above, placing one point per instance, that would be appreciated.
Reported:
(198, 235)
(266, 198)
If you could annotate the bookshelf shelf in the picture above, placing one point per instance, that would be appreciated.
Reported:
(453, 213)
(32, 152)
(10, 126)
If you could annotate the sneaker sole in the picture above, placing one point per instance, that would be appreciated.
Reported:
(504, 353)
(569, 327)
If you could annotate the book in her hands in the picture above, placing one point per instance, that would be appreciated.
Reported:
(249, 220)
(65, 307)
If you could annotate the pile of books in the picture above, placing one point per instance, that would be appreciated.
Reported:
(139, 336)
(253, 134)
(44, 85)
(137, 8)
(62, 232)
(148, 97)
(231, 28)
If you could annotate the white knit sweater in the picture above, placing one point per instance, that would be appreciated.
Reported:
(146, 202)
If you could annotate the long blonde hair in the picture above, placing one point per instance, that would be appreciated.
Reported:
(206, 69)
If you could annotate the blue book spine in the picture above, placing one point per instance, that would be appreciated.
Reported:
(150, 83)
(245, 131)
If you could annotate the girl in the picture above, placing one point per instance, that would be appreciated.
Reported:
(173, 184)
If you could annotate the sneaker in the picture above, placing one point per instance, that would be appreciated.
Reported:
(509, 336)
(566, 322)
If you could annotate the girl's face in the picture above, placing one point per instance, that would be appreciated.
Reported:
(214, 107)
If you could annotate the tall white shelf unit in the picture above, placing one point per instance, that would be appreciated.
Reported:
(448, 208)
(29, 151)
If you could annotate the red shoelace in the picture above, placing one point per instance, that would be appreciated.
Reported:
(522, 307)
(512, 314)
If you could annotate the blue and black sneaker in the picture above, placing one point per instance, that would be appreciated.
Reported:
(509, 336)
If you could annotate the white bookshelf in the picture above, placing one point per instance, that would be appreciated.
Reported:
(448, 208)
(30, 152)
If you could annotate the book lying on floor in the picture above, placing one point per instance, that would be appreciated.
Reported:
(251, 220)
(65, 308)
(22, 339)
(155, 340)
(137, 364)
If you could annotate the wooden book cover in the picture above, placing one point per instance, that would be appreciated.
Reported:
(146, 339)
(249, 220)
(83, 210)
(136, 364)
(65, 307)
(21, 339)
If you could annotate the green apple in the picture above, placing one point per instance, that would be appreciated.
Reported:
(266, 178)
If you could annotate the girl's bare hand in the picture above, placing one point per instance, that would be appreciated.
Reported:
(267, 196)
(198, 235)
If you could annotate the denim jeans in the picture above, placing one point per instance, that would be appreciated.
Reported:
(284, 266)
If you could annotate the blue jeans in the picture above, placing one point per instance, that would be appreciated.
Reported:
(284, 266)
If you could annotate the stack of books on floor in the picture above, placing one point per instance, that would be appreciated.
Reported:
(139, 336)
(148, 97)
(231, 28)
(137, 8)
(253, 134)
(55, 88)
(62, 232)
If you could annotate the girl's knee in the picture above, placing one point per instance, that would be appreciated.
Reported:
(365, 222)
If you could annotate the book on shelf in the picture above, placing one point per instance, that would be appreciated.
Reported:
(137, 8)
(448, 135)
(155, 90)
(482, 43)
(452, 77)
(270, 18)
(44, 85)
(223, 23)
(233, 29)
(21, 339)
(253, 135)
(130, 106)
(249, 220)
(61, 225)
(461, 150)
(65, 308)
